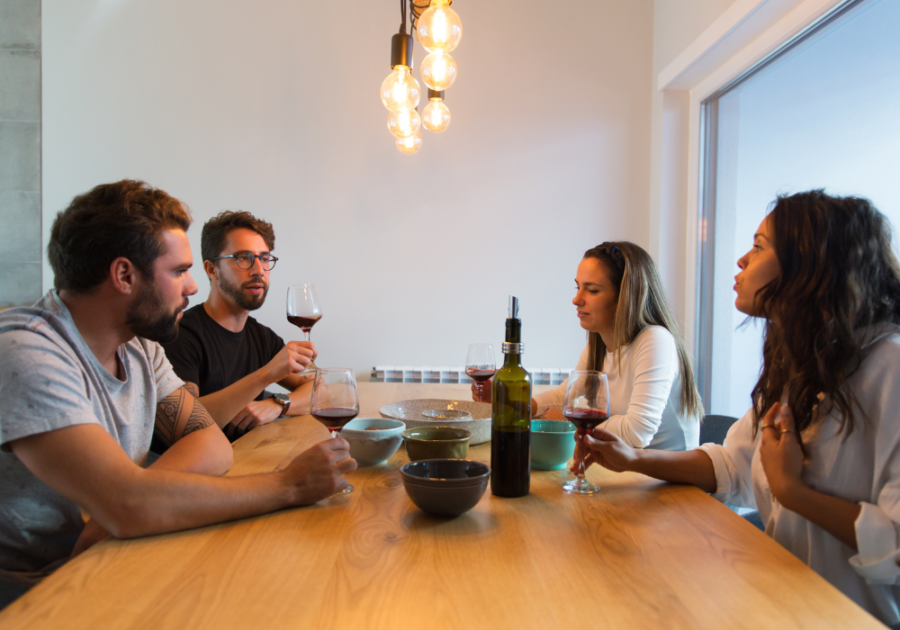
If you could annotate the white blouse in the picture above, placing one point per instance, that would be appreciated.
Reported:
(644, 393)
(862, 467)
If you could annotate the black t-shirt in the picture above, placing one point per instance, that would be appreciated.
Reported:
(213, 357)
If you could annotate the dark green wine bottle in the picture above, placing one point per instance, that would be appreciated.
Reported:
(511, 416)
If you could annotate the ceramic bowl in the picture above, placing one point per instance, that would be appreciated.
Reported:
(437, 443)
(410, 412)
(447, 487)
(552, 444)
(373, 440)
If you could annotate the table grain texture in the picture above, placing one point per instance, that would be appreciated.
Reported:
(642, 554)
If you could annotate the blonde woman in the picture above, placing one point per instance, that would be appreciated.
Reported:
(818, 454)
(633, 338)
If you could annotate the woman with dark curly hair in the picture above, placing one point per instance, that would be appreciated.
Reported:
(634, 339)
(819, 452)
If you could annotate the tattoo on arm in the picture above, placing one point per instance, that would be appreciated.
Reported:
(179, 414)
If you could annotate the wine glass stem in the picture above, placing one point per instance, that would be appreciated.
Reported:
(311, 368)
(334, 434)
(581, 463)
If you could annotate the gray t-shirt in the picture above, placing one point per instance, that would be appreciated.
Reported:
(49, 380)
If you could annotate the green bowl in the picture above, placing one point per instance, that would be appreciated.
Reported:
(552, 444)
(436, 443)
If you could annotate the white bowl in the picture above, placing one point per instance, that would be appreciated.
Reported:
(373, 446)
(410, 412)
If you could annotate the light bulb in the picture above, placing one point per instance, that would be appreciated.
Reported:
(400, 91)
(438, 70)
(436, 116)
(411, 144)
(439, 28)
(404, 124)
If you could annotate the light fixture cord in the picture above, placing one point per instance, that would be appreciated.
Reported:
(416, 12)
(403, 16)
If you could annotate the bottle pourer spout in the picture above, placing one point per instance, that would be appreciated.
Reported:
(513, 307)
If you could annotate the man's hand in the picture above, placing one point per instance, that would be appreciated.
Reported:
(292, 359)
(316, 473)
(256, 413)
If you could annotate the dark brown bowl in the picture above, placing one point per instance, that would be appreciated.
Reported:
(447, 487)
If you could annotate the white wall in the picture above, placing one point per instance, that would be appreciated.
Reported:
(676, 24)
(273, 108)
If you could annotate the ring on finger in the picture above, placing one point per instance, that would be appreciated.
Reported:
(788, 430)
(768, 426)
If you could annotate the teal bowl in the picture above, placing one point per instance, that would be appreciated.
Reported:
(552, 444)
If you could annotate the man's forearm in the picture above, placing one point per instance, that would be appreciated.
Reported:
(205, 452)
(172, 501)
(226, 403)
(693, 467)
(301, 399)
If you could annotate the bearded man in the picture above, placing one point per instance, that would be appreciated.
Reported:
(229, 355)
(84, 385)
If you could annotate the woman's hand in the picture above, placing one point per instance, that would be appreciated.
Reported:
(604, 448)
(779, 451)
(481, 391)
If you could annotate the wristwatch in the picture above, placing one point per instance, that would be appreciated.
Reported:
(285, 402)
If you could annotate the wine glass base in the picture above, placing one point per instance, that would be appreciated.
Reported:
(580, 486)
(347, 490)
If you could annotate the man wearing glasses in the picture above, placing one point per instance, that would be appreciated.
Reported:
(84, 384)
(229, 355)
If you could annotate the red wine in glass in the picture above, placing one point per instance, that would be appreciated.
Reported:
(335, 400)
(336, 417)
(303, 311)
(585, 419)
(481, 367)
(480, 375)
(304, 323)
(586, 405)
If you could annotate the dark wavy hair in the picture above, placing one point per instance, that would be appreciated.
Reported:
(125, 219)
(215, 231)
(641, 302)
(838, 288)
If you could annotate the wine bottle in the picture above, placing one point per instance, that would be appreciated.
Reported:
(511, 415)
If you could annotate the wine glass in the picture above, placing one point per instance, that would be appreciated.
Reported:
(586, 405)
(480, 365)
(303, 311)
(335, 400)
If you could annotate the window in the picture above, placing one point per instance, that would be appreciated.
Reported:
(820, 112)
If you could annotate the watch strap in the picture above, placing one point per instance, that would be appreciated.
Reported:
(285, 402)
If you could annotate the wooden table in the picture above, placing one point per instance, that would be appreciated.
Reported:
(642, 554)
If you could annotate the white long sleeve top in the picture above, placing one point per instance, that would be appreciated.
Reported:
(862, 467)
(644, 393)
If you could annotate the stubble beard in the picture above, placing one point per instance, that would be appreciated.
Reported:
(236, 293)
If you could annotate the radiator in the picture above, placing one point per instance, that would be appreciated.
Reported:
(422, 374)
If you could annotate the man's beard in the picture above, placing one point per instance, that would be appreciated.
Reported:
(148, 318)
(247, 302)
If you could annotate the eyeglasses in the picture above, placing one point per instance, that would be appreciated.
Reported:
(246, 260)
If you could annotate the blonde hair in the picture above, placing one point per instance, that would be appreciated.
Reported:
(641, 302)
